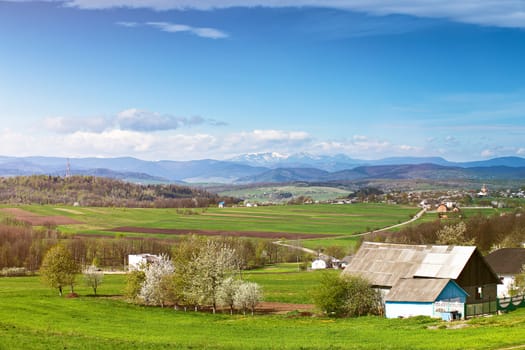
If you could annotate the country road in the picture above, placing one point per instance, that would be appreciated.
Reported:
(324, 257)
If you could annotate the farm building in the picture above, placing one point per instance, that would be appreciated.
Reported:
(385, 265)
(434, 297)
(138, 261)
(507, 263)
(319, 264)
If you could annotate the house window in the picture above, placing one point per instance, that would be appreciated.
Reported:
(479, 293)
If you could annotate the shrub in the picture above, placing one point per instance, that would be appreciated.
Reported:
(347, 296)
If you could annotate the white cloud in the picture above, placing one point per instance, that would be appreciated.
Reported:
(520, 151)
(499, 13)
(209, 33)
(130, 119)
(487, 153)
(128, 24)
(67, 125)
(203, 32)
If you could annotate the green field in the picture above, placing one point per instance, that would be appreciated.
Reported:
(33, 317)
(317, 219)
(273, 194)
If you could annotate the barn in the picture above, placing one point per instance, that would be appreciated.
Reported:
(392, 267)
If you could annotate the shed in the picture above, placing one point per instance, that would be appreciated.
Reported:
(431, 297)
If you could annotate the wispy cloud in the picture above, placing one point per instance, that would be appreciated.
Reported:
(130, 119)
(508, 13)
(203, 32)
(209, 33)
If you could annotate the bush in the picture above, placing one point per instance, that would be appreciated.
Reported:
(347, 296)
(13, 271)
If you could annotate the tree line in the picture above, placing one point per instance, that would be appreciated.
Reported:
(505, 230)
(24, 246)
(102, 192)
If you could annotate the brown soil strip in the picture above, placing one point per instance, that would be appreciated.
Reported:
(255, 234)
(39, 220)
(274, 307)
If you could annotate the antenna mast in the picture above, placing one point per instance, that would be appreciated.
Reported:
(68, 169)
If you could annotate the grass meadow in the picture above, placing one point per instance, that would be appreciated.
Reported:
(310, 219)
(33, 316)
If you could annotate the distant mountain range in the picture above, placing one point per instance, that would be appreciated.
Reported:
(269, 168)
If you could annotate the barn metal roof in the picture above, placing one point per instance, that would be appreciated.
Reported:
(383, 264)
(418, 289)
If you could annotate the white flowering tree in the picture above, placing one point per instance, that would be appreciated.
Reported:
(226, 292)
(247, 296)
(157, 287)
(214, 262)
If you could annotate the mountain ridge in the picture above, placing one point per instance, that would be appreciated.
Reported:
(300, 167)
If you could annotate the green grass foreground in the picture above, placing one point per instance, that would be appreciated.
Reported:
(34, 317)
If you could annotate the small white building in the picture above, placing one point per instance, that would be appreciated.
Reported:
(139, 261)
(319, 264)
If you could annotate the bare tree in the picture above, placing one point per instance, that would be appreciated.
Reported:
(93, 277)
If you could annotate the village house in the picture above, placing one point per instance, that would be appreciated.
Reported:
(139, 261)
(425, 279)
(507, 263)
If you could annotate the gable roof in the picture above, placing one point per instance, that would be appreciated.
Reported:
(421, 289)
(384, 264)
(506, 261)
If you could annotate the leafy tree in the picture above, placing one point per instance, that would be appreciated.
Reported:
(518, 286)
(59, 269)
(134, 281)
(93, 277)
(346, 295)
(454, 235)
(247, 296)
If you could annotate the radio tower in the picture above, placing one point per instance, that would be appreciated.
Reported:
(68, 169)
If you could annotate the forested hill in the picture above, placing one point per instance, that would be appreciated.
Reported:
(99, 191)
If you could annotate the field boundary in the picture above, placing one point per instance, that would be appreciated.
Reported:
(254, 234)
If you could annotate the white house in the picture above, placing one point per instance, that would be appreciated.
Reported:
(506, 263)
(138, 261)
(319, 264)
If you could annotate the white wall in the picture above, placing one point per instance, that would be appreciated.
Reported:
(395, 310)
(503, 289)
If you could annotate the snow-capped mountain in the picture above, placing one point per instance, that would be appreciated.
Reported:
(275, 160)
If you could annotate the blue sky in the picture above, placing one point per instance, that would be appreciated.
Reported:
(180, 79)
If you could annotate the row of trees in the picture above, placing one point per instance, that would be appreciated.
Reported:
(487, 233)
(24, 246)
(102, 192)
(59, 270)
(201, 274)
